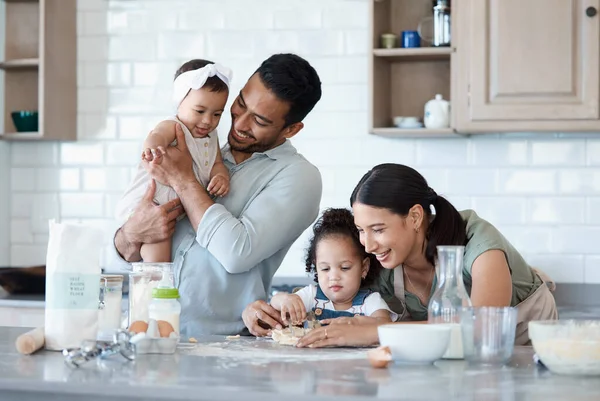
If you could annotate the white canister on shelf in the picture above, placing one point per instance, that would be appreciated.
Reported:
(437, 113)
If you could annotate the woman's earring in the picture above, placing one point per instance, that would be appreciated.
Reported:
(417, 229)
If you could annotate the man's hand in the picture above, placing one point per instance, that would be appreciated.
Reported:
(218, 185)
(151, 223)
(174, 167)
(260, 318)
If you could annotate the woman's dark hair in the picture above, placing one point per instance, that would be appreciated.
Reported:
(339, 222)
(398, 188)
(213, 84)
(292, 79)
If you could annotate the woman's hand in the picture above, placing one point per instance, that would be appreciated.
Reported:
(339, 335)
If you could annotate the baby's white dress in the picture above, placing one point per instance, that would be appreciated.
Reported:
(203, 151)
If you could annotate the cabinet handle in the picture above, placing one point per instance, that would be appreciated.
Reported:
(591, 11)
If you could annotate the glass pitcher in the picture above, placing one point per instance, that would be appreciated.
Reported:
(144, 278)
(450, 296)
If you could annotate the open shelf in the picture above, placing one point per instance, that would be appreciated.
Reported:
(21, 136)
(20, 63)
(417, 53)
(40, 67)
(403, 80)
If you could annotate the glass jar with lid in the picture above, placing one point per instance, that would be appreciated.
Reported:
(142, 280)
(109, 305)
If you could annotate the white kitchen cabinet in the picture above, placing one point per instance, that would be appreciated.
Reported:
(529, 65)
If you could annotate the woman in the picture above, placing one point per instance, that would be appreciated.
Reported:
(402, 221)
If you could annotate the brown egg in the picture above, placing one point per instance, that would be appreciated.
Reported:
(139, 326)
(164, 328)
(380, 357)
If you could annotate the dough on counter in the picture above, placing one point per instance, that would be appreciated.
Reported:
(285, 337)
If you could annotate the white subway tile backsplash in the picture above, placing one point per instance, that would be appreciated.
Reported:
(592, 269)
(341, 70)
(110, 204)
(321, 43)
(343, 98)
(57, 179)
(20, 231)
(22, 179)
(92, 5)
(94, 23)
(579, 181)
(353, 14)
(291, 19)
(44, 208)
(118, 74)
(593, 152)
(81, 205)
(33, 154)
(211, 16)
(95, 74)
(132, 48)
(527, 181)
(270, 42)
(497, 152)
(558, 153)
(98, 126)
(560, 268)
(528, 239)
(187, 45)
(356, 42)
(221, 44)
(501, 210)
(28, 255)
(105, 179)
(21, 204)
(569, 211)
(437, 179)
(379, 150)
(92, 100)
(82, 153)
(250, 19)
(123, 153)
(461, 181)
(575, 239)
(131, 101)
(154, 74)
(136, 127)
(450, 152)
(93, 48)
(593, 211)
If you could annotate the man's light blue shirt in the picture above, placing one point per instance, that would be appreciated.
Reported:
(230, 260)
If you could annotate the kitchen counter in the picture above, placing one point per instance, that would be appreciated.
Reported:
(257, 369)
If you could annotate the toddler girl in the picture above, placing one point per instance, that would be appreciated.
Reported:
(343, 271)
(200, 92)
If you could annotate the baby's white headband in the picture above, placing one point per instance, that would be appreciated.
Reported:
(196, 79)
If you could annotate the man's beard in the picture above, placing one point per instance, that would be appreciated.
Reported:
(252, 148)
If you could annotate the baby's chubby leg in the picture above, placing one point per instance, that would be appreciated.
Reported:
(157, 252)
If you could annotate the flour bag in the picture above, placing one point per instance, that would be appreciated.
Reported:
(72, 285)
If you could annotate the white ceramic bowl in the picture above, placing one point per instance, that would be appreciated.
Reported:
(415, 343)
(569, 347)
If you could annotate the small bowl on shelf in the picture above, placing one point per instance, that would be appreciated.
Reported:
(25, 120)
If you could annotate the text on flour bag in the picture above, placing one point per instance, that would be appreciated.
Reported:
(72, 285)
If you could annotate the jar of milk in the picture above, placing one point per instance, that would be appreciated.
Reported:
(165, 306)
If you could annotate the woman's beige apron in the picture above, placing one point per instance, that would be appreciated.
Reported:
(538, 306)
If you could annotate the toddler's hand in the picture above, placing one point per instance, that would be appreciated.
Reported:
(153, 155)
(218, 185)
(292, 309)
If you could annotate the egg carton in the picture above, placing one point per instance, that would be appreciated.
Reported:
(151, 342)
(145, 344)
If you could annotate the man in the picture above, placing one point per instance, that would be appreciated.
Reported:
(225, 253)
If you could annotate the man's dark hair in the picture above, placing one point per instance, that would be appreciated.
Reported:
(292, 79)
(213, 84)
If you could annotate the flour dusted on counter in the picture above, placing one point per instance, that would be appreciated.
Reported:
(72, 285)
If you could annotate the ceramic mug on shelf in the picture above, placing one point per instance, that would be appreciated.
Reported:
(411, 39)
